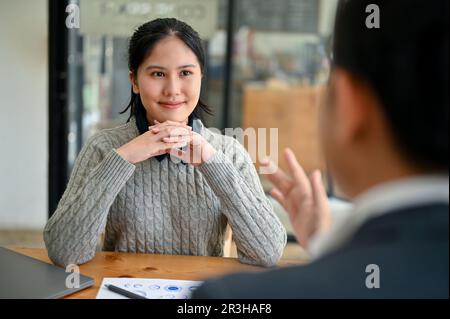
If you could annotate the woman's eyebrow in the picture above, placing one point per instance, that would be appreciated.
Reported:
(152, 66)
(186, 66)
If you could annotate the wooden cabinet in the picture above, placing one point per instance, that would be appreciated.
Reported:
(294, 111)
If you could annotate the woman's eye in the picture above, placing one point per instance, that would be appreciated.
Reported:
(186, 73)
(158, 74)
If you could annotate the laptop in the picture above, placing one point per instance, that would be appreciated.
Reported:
(25, 277)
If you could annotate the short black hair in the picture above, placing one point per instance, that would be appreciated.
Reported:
(406, 63)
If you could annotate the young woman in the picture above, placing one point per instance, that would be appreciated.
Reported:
(127, 184)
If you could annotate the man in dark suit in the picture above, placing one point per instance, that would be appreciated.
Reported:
(384, 131)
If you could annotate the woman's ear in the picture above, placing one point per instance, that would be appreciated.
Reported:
(133, 82)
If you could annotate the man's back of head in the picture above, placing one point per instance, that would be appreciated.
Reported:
(399, 51)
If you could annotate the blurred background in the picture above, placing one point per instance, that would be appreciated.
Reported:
(267, 65)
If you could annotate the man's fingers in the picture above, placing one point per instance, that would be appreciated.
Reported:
(319, 192)
(296, 170)
(279, 179)
(320, 199)
(275, 192)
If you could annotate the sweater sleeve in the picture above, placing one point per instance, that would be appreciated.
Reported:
(99, 173)
(259, 235)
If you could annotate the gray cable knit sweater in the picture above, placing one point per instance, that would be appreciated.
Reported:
(163, 207)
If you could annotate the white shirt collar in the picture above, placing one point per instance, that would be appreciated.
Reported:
(379, 200)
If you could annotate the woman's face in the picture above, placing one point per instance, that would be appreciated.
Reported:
(168, 81)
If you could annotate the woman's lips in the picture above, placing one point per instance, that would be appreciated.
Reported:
(171, 105)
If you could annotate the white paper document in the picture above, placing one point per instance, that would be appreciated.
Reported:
(149, 288)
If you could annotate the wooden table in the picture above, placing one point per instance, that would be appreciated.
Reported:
(130, 265)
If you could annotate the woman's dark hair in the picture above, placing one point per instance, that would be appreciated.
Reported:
(143, 41)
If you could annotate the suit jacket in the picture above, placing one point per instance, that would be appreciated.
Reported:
(409, 246)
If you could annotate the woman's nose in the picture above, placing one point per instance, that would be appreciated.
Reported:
(172, 87)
